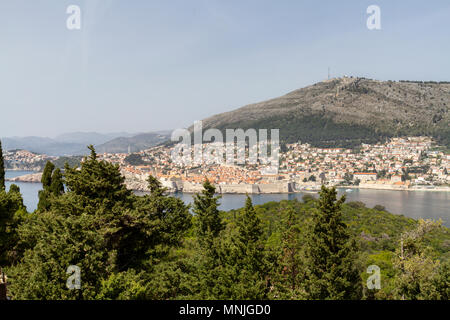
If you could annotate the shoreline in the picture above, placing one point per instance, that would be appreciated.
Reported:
(36, 178)
(27, 178)
(316, 191)
(390, 188)
(292, 192)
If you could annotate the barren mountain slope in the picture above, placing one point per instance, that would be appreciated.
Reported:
(348, 111)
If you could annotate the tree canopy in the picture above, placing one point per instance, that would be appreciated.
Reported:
(154, 246)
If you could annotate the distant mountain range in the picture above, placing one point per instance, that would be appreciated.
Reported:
(42, 145)
(135, 143)
(94, 137)
(346, 111)
(342, 112)
(75, 143)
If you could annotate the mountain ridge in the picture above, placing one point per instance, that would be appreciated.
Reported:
(348, 111)
(133, 144)
(74, 144)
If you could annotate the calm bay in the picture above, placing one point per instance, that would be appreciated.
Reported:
(413, 204)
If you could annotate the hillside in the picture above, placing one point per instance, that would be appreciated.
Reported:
(63, 145)
(42, 145)
(348, 111)
(135, 143)
(87, 138)
(74, 144)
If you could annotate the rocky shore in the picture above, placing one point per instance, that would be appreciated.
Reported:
(32, 178)
(139, 183)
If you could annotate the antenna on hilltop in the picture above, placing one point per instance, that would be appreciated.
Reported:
(328, 73)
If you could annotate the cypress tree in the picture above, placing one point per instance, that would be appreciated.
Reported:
(209, 225)
(47, 175)
(14, 189)
(57, 185)
(44, 202)
(2, 169)
(289, 272)
(250, 230)
(46, 180)
(250, 266)
(209, 221)
(291, 250)
(331, 253)
(93, 155)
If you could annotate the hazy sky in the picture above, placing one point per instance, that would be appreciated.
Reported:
(146, 65)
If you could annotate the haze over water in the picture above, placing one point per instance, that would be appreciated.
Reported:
(413, 204)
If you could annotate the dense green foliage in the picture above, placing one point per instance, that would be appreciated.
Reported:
(2, 169)
(12, 213)
(73, 161)
(318, 130)
(134, 159)
(99, 226)
(331, 253)
(323, 132)
(152, 247)
(52, 184)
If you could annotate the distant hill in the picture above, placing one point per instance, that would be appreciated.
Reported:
(42, 145)
(347, 111)
(134, 144)
(75, 144)
(87, 138)
(64, 145)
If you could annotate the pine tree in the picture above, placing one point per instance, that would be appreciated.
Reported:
(2, 169)
(331, 253)
(170, 216)
(98, 182)
(155, 187)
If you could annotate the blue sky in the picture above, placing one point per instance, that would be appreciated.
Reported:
(146, 65)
